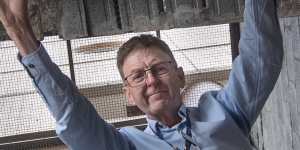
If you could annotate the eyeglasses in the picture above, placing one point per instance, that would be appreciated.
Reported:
(158, 70)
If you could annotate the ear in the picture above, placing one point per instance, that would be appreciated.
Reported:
(128, 95)
(181, 77)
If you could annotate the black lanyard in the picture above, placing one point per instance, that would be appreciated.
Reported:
(187, 136)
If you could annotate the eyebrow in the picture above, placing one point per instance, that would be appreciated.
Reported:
(153, 60)
(136, 70)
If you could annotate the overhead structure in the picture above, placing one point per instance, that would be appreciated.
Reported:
(85, 18)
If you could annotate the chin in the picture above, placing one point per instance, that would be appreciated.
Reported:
(158, 106)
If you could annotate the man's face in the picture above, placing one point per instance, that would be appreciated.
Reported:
(156, 95)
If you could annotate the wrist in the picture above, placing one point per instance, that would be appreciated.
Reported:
(24, 38)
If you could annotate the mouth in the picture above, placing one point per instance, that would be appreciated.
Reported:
(157, 93)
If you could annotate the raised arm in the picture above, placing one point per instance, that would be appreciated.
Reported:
(256, 69)
(14, 17)
(77, 122)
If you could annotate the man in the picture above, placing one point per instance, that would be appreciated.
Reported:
(152, 81)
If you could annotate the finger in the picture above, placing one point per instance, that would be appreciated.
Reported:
(3, 6)
(3, 11)
(18, 7)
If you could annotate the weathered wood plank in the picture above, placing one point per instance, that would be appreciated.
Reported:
(79, 18)
(289, 7)
(276, 121)
(294, 39)
(50, 15)
(184, 12)
(139, 14)
(35, 15)
(73, 23)
(279, 124)
(277, 118)
(146, 15)
(257, 134)
(101, 17)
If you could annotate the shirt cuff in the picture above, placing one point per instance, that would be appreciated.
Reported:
(36, 62)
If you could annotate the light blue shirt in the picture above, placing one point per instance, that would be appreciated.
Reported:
(222, 120)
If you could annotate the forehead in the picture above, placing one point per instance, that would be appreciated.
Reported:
(143, 57)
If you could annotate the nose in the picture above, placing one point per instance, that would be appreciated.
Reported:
(151, 79)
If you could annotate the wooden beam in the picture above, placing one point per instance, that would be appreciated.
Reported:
(80, 18)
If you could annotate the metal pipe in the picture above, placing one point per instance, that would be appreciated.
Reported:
(234, 38)
(71, 63)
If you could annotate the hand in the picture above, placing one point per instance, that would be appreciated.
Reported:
(14, 17)
(12, 11)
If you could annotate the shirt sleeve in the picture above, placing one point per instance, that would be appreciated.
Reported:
(256, 69)
(77, 123)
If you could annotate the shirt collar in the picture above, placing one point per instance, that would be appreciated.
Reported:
(153, 123)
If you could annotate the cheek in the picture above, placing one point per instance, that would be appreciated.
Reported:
(174, 87)
(174, 91)
(139, 95)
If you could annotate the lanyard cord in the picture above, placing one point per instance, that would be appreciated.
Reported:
(188, 131)
(187, 136)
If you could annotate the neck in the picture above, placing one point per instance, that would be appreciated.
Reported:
(168, 119)
(170, 122)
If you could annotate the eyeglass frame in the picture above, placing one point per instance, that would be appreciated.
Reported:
(145, 74)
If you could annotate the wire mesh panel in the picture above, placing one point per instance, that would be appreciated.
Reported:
(205, 55)
(203, 52)
(22, 110)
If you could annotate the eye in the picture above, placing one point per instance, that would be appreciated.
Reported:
(160, 69)
(137, 77)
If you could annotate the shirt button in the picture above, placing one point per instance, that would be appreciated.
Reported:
(31, 66)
